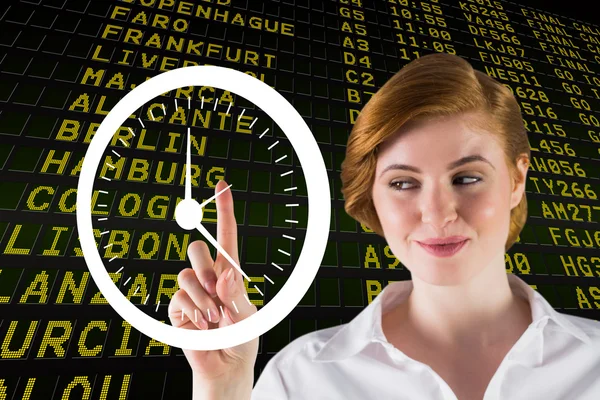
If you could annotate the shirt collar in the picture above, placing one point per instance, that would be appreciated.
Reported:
(365, 328)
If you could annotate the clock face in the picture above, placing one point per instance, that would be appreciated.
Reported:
(173, 138)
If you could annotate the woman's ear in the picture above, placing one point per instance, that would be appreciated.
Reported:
(518, 182)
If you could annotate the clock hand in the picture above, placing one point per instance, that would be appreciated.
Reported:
(212, 240)
(188, 173)
(188, 169)
(205, 202)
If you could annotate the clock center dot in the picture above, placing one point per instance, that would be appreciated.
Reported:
(188, 214)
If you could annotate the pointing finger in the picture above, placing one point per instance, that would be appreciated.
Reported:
(226, 224)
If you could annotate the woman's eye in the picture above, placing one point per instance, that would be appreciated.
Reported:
(399, 185)
(470, 178)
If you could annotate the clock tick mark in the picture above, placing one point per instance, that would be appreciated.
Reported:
(247, 299)
(261, 293)
(287, 173)
(216, 104)
(117, 154)
(105, 178)
(241, 114)
(131, 130)
(234, 306)
(281, 269)
(151, 115)
(229, 108)
(291, 221)
(292, 205)
(269, 279)
(103, 191)
(146, 301)
(103, 233)
(102, 219)
(111, 166)
(284, 252)
(136, 290)
(288, 189)
(281, 158)
(156, 310)
(289, 237)
(163, 108)
(255, 119)
(120, 269)
(128, 279)
(176, 106)
(189, 103)
(202, 103)
(273, 145)
(108, 245)
(113, 258)
(141, 123)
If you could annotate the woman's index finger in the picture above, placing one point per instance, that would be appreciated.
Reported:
(226, 223)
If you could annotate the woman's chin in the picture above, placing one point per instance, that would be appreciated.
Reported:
(441, 274)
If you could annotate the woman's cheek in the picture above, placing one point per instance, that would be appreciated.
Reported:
(394, 215)
(488, 209)
(397, 212)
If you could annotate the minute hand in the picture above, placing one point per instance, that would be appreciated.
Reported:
(212, 240)
(205, 202)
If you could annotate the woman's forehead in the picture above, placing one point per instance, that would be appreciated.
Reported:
(444, 135)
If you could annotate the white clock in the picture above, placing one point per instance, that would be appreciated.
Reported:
(188, 213)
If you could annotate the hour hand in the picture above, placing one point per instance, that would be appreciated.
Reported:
(220, 249)
(188, 169)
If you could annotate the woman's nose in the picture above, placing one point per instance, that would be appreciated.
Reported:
(438, 205)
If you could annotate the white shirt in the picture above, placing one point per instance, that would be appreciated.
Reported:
(557, 357)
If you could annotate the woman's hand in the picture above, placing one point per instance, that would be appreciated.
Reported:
(205, 300)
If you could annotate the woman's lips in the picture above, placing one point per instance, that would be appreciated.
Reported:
(446, 250)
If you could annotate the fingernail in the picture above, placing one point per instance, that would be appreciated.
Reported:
(211, 287)
(230, 278)
(214, 315)
(203, 323)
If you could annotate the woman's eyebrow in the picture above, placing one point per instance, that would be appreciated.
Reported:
(452, 165)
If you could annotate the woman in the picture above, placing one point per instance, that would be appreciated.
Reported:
(444, 154)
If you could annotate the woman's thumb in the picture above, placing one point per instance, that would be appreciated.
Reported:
(227, 320)
(231, 291)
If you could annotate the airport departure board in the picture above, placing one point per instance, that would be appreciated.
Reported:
(65, 63)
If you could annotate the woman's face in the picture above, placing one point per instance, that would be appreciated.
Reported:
(470, 199)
